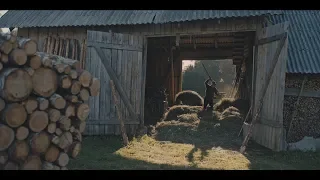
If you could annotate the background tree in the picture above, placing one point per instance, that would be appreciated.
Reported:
(222, 72)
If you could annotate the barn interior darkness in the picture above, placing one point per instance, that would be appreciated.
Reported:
(164, 64)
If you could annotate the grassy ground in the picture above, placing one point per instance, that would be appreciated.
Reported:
(189, 143)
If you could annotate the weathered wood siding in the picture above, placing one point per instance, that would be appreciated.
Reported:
(270, 126)
(124, 54)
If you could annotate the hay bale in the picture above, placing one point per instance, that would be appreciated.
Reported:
(190, 98)
(175, 111)
(241, 104)
(231, 113)
(190, 118)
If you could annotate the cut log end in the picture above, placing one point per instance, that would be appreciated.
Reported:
(73, 74)
(74, 149)
(35, 62)
(44, 82)
(83, 111)
(72, 98)
(14, 115)
(77, 136)
(52, 128)
(39, 143)
(70, 110)
(22, 133)
(17, 84)
(58, 131)
(63, 159)
(43, 103)
(32, 163)
(65, 82)
(19, 151)
(95, 87)
(85, 78)
(84, 94)
(52, 154)
(57, 101)
(75, 87)
(5, 46)
(6, 137)
(64, 123)
(54, 115)
(38, 121)
(80, 125)
(18, 57)
(65, 140)
(28, 45)
(31, 105)
(55, 140)
(4, 58)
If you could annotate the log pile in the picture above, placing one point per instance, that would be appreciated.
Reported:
(43, 105)
(307, 121)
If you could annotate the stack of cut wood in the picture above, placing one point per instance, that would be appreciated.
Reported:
(43, 106)
(306, 123)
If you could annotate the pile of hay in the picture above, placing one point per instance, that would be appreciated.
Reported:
(190, 98)
(175, 111)
(241, 104)
(231, 113)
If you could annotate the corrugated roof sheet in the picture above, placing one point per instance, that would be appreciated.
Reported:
(56, 18)
(304, 40)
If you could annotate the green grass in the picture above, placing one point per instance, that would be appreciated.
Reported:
(191, 144)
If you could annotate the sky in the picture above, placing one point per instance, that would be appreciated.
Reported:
(3, 12)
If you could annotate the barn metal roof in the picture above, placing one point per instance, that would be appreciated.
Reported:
(304, 40)
(58, 18)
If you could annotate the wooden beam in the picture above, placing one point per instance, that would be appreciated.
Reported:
(271, 39)
(144, 72)
(219, 53)
(113, 77)
(305, 93)
(116, 46)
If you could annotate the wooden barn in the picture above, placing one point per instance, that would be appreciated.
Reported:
(142, 50)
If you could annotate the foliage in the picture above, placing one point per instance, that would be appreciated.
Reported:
(222, 72)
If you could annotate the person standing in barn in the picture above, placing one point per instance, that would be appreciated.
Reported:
(209, 94)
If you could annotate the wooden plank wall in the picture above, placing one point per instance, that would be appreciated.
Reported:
(127, 64)
(271, 115)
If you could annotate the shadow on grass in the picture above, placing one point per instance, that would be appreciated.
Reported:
(210, 134)
(100, 153)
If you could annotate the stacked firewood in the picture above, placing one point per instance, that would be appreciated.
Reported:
(43, 106)
(306, 123)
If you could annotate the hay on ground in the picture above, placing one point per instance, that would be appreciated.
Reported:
(241, 104)
(231, 113)
(190, 98)
(175, 111)
(190, 118)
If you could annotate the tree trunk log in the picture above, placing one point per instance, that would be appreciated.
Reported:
(80, 125)
(94, 87)
(18, 57)
(44, 82)
(16, 85)
(63, 159)
(5, 46)
(28, 45)
(52, 154)
(31, 105)
(14, 115)
(73, 74)
(32, 163)
(6, 137)
(19, 151)
(52, 128)
(39, 142)
(75, 87)
(43, 103)
(22, 133)
(82, 111)
(57, 101)
(2, 104)
(45, 59)
(54, 115)
(4, 58)
(35, 61)
(65, 140)
(70, 110)
(74, 149)
(64, 123)
(84, 94)
(85, 78)
(72, 98)
(65, 82)
(38, 121)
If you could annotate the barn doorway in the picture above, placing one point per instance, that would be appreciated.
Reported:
(165, 55)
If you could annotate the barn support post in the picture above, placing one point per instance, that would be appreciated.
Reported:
(116, 82)
(144, 73)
